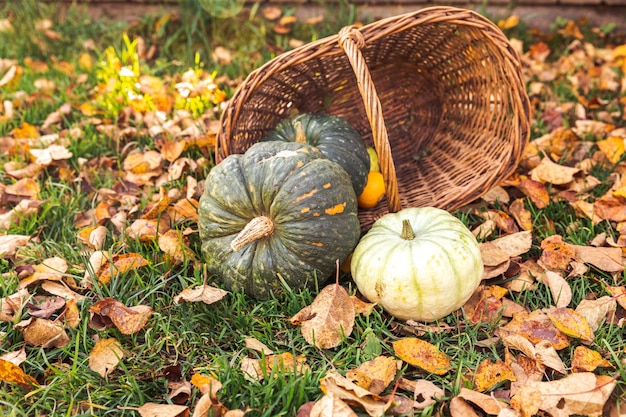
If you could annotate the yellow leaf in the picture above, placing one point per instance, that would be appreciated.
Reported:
(13, 374)
(105, 356)
(422, 354)
(25, 131)
(612, 147)
(374, 375)
(571, 323)
(509, 23)
(587, 360)
(489, 373)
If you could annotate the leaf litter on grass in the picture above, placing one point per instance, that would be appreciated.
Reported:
(543, 352)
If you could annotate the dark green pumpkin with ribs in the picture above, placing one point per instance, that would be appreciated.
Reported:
(279, 211)
(332, 135)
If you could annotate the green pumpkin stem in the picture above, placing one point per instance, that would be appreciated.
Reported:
(300, 135)
(407, 230)
(257, 228)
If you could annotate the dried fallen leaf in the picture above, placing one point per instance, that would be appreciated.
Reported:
(331, 405)
(329, 319)
(489, 373)
(547, 356)
(556, 254)
(160, 410)
(13, 304)
(553, 173)
(374, 375)
(605, 259)
(580, 393)
(9, 244)
(597, 311)
(105, 356)
(128, 320)
(527, 400)
(344, 389)
(176, 246)
(587, 360)
(422, 354)
(254, 344)
(571, 323)
(206, 384)
(43, 333)
(120, 265)
(425, 393)
(559, 288)
(204, 293)
(521, 214)
(13, 374)
(487, 403)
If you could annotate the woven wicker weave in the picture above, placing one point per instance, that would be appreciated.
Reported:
(439, 93)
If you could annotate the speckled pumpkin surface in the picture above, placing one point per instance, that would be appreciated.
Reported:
(305, 199)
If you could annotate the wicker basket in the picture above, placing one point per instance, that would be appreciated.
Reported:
(439, 93)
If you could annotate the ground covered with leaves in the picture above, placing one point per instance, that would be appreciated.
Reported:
(106, 136)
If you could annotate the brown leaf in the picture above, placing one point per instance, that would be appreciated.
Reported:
(597, 311)
(105, 356)
(12, 304)
(489, 373)
(206, 384)
(556, 254)
(331, 405)
(254, 344)
(9, 244)
(559, 288)
(527, 400)
(536, 191)
(71, 313)
(43, 333)
(160, 410)
(605, 259)
(175, 246)
(546, 355)
(147, 230)
(460, 408)
(204, 293)
(571, 323)
(179, 391)
(553, 173)
(120, 264)
(51, 269)
(329, 319)
(128, 320)
(13, 374)
(22, 210)
(535, 326)
(422, 354)
(374, 375)
(47, 308)
(425, 393)
(521, 214)
(619, 293)
(580, 393)
(335, 384)
(485, 402)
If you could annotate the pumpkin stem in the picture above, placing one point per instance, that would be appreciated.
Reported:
(300, 135)
(407, 230)
(257, 228)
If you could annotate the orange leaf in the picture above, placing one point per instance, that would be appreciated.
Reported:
(206, 384)
(536, 191)
(43, 333)
(571, 323)
(121, 264)
(128, 320)
(374, 375)
(25, 131)
(105, 356)
(13, 374)
(521, 215)
(422, 354)
(613, 148)
(556, 254)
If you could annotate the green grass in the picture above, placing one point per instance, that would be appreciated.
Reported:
(199, 338)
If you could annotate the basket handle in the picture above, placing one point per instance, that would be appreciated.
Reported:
(351, 41)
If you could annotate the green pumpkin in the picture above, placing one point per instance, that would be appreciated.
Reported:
(419, 264)
(279, 211)
(332, 135)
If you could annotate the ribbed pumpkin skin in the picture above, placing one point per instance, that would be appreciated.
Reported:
(335, 137)
(309, 199)
(423, 279)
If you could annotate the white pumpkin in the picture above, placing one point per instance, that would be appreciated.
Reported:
(420, 264)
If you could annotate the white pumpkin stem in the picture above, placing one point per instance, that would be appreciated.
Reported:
(300, 135)
(407, 230)
(257, 228)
